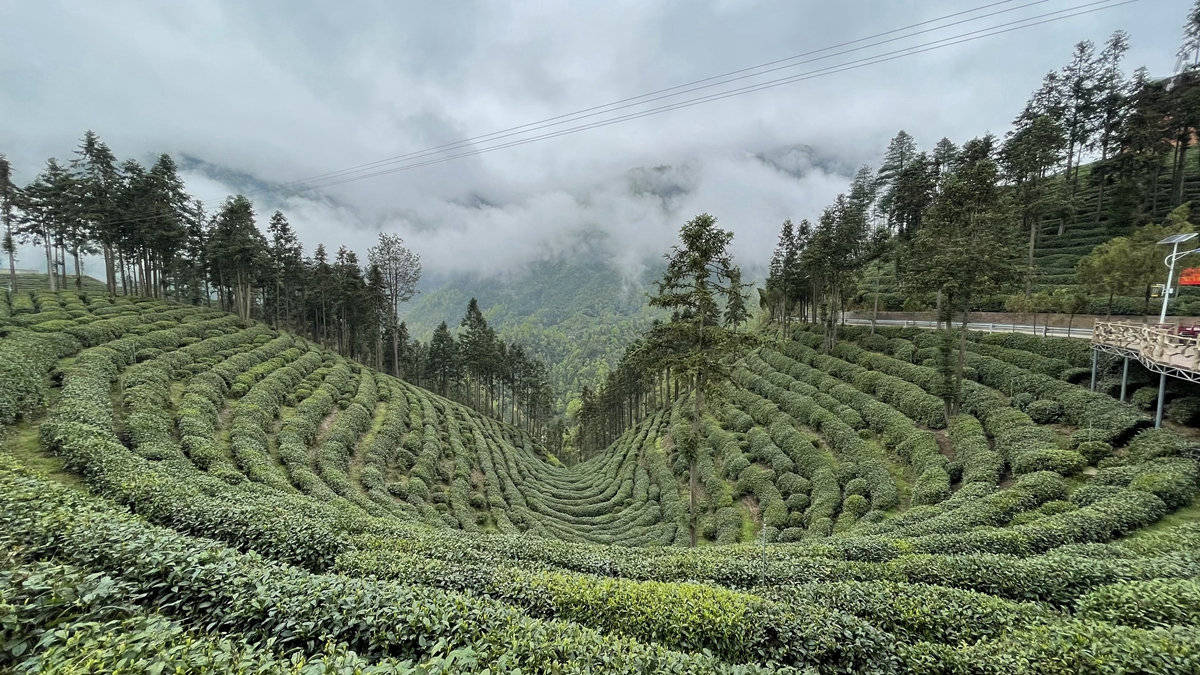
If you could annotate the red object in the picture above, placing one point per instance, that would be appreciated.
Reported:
(1190, 276)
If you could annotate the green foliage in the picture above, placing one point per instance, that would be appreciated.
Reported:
(296, 511)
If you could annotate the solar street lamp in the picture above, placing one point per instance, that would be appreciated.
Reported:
(1174, 240)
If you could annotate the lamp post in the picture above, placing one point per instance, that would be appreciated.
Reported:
(1174, 240)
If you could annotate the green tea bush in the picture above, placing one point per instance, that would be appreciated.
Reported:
(1044, 411)
(1144, 397)
(1185, 411)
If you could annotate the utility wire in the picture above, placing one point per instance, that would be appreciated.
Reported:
(828, 70)
(742, 73)
(941, 43)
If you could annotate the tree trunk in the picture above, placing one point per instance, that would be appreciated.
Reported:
(962, 358)
(78, 269)
(1184, 141)
(1062, 223)
(693, 479)
(50, 271)
(110, 276)
(121, 269)
(944, 353)
(12, 262)
(1033, 230)
(875, 307)
(395, 350)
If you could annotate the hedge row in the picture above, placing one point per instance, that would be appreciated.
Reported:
(80, 429)
(734, 626)
(61, 619)
(195, 581)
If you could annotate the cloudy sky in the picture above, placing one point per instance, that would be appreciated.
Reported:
(277, 91)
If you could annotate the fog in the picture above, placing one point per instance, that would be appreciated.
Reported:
(262, 94)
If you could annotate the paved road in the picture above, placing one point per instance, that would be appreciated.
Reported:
(1059, 331)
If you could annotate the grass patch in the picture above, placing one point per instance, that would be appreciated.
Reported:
(1186, 515)
(24, 441)
(751, 524)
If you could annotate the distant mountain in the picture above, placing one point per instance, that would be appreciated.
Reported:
(799, 159)
(575, 313)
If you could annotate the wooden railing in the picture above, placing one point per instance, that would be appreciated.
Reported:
(1153, 342)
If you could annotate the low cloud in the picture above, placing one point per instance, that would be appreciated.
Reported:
(279, 91)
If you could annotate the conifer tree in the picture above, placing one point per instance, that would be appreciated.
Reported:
(834, 253)
(899, 154)
(95, 167)
(379, 316)
(1189, 47)
(1029, 153)
(944, 155)
(237, 251)
(321, 275)
(48, 207)
(780, 287)
(735, 301)
(1112, 103)
(1184, 100)
(478, 351)
(286, 269)
(1079, 81)
(964, 250)
(441, 369)
(693, 344)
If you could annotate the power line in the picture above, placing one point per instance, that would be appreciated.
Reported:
(828, 70)
(636, 100)
(1019, 24)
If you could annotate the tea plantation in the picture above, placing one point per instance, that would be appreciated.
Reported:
(181, 491)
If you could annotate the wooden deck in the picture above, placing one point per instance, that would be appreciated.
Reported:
(1157, 346)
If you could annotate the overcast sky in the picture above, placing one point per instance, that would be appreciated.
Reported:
(283, 90)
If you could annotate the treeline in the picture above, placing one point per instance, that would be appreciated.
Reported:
(158, 241)
(475, 367)
(1130, 128)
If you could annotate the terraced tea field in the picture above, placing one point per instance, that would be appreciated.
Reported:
(182, 491)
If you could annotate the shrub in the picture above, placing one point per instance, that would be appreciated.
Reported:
(1094, 451)
(1184, 410)
(1022, 400)
(856, 486)
(1144, 397)
(855, 505)
(1058, 460)
(1044, 411)
(1144, 604)
(1154, 443)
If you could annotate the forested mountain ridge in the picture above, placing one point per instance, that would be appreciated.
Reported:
(575, 312)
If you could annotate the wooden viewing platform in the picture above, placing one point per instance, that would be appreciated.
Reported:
(1162, 348)
(1167, 349)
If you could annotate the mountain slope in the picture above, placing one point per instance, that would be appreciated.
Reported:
(577, 314)
(251, 497)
